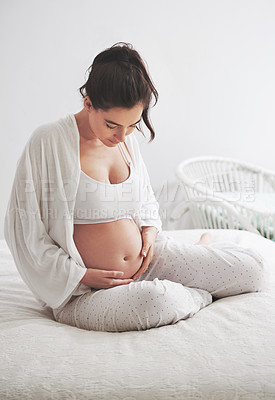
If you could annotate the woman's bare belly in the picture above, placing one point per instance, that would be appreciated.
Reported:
(112, 246)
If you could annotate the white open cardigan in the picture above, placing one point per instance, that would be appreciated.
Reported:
(39, 219)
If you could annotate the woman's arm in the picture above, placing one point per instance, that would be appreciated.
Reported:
(36, 231)
(148, 214)
(46, 268)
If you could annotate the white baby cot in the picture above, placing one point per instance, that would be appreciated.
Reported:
(225, 193)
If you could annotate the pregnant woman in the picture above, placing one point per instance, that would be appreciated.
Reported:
(82, 221)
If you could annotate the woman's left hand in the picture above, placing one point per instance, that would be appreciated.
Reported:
(148, 234)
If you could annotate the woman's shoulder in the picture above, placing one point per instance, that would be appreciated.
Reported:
(51, 133)
(51, 130)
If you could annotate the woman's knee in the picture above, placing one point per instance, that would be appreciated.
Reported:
(166, 302)
(156, 293)
(257, 271)
(158, 303)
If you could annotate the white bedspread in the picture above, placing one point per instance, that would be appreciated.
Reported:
(225, 351)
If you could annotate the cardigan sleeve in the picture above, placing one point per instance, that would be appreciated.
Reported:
(149, 212)
(48, 270)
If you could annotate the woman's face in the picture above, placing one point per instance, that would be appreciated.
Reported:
(112, 126)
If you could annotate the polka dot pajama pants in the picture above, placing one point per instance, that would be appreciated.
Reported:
(181, 279)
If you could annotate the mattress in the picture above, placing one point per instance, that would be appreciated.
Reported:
(225, 351)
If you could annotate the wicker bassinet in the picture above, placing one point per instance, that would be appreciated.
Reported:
(223, 193)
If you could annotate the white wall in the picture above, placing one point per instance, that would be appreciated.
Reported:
(212, 61)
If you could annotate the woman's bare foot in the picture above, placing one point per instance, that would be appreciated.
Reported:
(205, 238)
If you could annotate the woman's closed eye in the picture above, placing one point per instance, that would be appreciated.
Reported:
(110, 127)
(113, 127)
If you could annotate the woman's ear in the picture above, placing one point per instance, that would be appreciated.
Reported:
(88, 104)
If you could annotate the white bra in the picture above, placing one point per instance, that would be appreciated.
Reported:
(99, 202)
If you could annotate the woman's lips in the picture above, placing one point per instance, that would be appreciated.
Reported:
(113, 142)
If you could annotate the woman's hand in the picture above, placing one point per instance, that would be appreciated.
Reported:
(102, 279)
(148, 234)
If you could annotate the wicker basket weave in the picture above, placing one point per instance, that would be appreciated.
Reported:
(223, 193)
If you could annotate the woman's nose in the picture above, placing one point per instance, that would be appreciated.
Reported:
(121, 135)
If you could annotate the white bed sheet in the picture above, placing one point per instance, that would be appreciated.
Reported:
(225, 351)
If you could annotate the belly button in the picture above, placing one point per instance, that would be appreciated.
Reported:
(125, 258)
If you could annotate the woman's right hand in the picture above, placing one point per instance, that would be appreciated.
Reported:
(102, 279)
